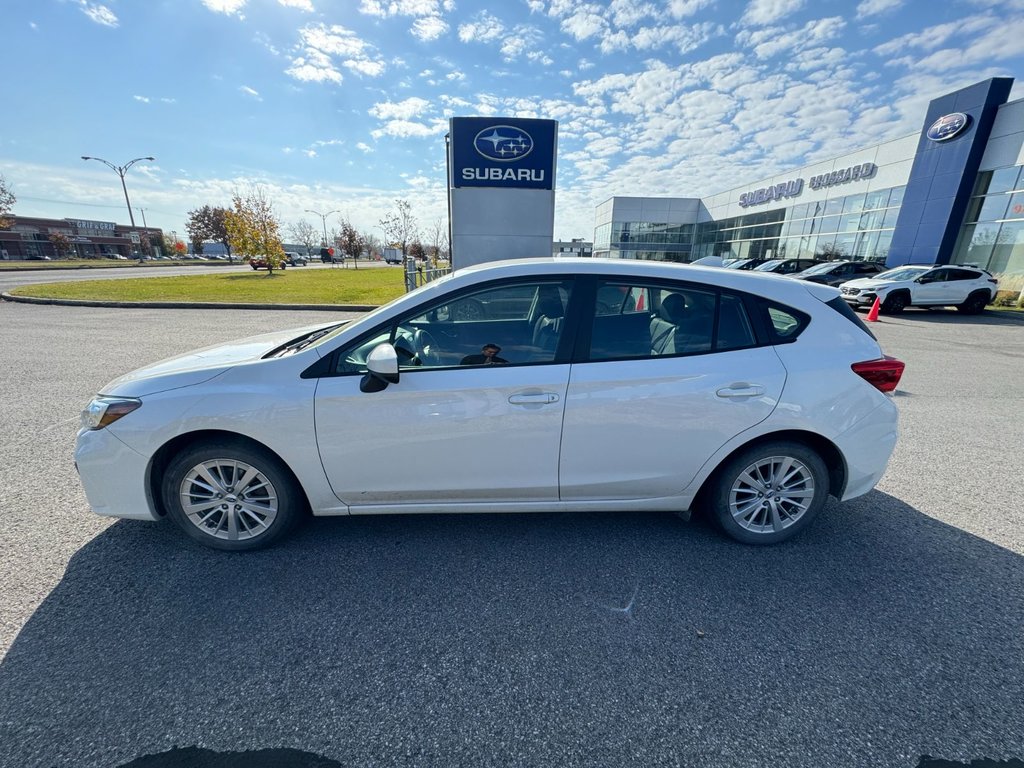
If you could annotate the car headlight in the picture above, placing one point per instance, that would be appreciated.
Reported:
(103, 411)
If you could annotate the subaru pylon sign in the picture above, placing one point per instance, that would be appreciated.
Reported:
(503, 152)
(501, 188)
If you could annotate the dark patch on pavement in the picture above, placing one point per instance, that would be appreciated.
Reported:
(195, 757)
(927, 761)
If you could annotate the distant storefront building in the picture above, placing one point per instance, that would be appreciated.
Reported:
(953, 193)
(30, 238)
(576, 247)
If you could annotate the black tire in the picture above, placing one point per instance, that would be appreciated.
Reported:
(254, 268)
(265, 510)
(895, 303)
(748, 514)
(975, 303)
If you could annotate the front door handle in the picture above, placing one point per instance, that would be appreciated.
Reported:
(741, 390)
(540, 398)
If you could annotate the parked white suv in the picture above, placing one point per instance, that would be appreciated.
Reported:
(967, 288)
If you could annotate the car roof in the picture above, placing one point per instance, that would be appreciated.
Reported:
(758, 283)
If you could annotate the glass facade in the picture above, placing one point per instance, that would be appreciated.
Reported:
(857, 227)
(644, 240)
(993, 233)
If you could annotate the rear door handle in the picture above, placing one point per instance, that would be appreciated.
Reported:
(741, 390)
(540, 398)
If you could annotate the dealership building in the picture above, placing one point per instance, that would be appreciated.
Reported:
(951, 194)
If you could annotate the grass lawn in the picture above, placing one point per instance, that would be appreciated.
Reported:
(321, 286)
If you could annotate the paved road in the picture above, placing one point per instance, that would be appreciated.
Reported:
(891, 630)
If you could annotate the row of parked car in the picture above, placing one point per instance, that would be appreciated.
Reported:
(967, 288)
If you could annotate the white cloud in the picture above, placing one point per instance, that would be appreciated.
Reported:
(250, 92)
(228, 7)
(761, 12)
(388, 110)
(143, 99)
(931, 38)
(429, 28)
(483, 29)
(98, 13)
(302, 5)
(876, 7)
(322, 44)
(769, 41)
(364, 147)
(407, 129)
(681, 9)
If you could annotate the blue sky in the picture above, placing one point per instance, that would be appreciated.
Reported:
(344, 105)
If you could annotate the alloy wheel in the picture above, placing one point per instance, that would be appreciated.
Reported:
(771, 494)
(228, 499)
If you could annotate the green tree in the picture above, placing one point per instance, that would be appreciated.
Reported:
(7, 201)
(253, 228)
(208, 223)
(61, 244)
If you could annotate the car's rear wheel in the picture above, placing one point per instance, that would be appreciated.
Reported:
(975, 303)
(231, 496)
(770, 492)
(895, 303)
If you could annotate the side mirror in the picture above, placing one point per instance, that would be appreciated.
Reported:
(382, 369)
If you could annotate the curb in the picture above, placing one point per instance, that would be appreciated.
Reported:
(186, 305)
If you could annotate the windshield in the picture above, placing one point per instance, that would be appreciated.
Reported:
(902, 273)
(768, 266)
(737, 264)
(820, 269)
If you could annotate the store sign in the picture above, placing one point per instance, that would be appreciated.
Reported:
(774, 192)
(503, 152)
(948, 126)
(100, 226)
(795, 187)
(843, 176)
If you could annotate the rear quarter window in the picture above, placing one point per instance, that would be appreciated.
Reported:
(784, 324)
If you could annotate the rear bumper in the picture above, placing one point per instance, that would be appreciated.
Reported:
(867, 447)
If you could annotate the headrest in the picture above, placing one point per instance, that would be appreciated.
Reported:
(673, 308)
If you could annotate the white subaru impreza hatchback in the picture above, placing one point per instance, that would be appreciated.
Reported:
(534, 385)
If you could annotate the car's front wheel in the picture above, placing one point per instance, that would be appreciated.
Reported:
(770, 492)
(232, 496)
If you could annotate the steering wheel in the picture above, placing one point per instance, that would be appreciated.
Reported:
(426, 348)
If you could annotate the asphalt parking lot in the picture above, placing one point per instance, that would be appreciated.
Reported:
(890, 631)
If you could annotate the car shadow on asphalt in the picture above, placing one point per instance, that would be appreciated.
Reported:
(551, 639)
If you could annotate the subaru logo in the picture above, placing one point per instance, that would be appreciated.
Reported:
(948, 126)
(503, 143)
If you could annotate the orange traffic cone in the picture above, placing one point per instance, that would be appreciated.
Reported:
(873, 312)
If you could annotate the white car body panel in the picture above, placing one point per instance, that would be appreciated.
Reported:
(431, 437)
(666, 413)
(449, 440)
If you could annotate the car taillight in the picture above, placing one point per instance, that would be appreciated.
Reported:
(883, 374)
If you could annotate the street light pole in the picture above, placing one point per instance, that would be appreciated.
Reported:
(323, 220)
(121, 170)
(143, 212)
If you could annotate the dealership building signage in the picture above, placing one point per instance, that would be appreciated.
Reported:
(794, 187)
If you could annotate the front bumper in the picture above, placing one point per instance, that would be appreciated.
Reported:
(113, 476)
